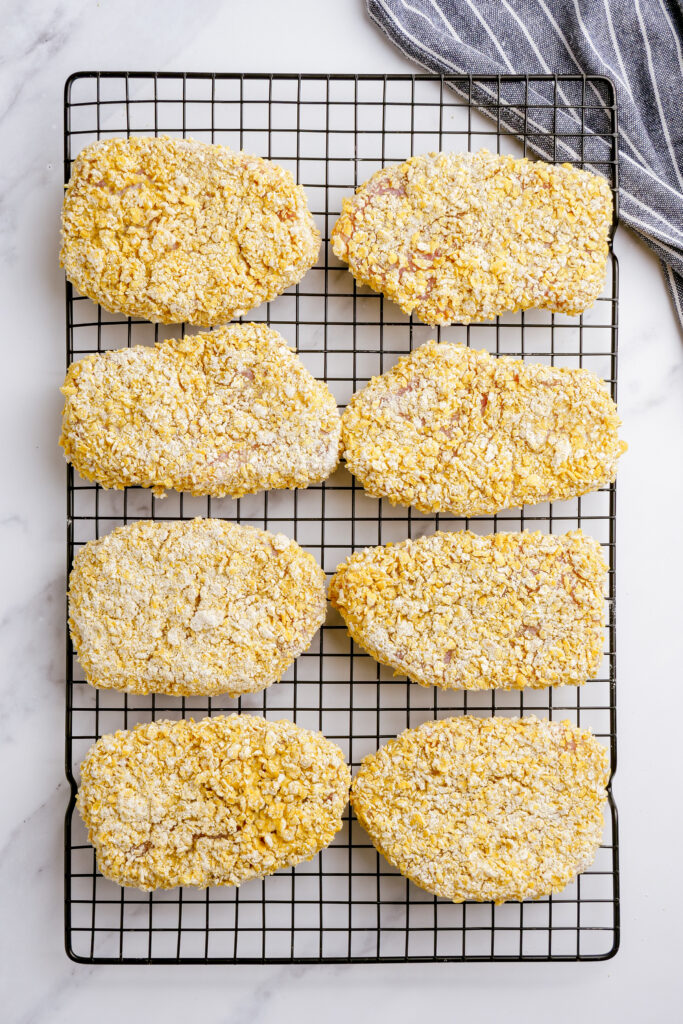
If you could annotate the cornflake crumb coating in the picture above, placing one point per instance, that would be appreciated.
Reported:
(455, 237)
(459, 611)
(213, 802)
(451, 429)
(190, 608)
(175, 231)
(486, 808)
(226, 413)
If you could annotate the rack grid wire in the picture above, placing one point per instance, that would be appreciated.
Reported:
(348, 904)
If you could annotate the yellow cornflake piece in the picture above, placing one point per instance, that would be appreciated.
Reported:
(455, 237)
(486, 808)
(226, 413)
(213, 802)
(197, 607)
(174, 230)
(451, 429)
(460, 611)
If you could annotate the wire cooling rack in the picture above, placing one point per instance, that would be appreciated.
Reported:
(348, 904)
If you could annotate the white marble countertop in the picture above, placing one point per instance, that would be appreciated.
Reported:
(42, 43)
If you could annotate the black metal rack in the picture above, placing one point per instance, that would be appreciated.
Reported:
(347, 905)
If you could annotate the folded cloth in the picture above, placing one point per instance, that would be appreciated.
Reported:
(636, 43)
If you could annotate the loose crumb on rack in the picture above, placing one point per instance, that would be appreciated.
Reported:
(213, 802)
(456, 237)
(486, 808)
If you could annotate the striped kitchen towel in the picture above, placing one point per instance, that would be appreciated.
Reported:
(636, 43)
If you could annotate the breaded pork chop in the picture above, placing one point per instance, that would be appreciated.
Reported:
(174, 230)
(195, 607)
(460, 611)
(450, 429)
(455, 237)
(226, 413)
(213, 802)
(486, 808)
